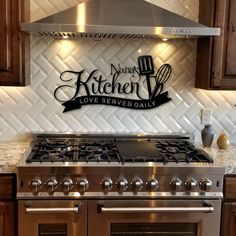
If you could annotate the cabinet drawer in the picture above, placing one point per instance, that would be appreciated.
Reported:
(7, 186)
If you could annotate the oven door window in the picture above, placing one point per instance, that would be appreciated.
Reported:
(161, 229)
(52, 230)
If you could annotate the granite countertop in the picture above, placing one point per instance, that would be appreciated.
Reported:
(223, 157)
(13, 152)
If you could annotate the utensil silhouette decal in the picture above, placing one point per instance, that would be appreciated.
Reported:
(146, 67)
(145, 64)
(162, 75)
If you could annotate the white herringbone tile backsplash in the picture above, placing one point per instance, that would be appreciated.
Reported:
(34, 109)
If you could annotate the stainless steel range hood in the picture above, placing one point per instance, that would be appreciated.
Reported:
(118, 18)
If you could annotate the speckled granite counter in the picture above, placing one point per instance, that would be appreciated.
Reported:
(11, 153)
(223, 157)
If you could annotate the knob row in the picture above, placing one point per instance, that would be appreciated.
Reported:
(152, 185)
(122, 184)
(191, 184)
(82, 185)
(66, 185)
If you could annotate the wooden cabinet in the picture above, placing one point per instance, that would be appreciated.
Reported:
(228, 227)
(7, 204)
(14, 44)
(216, 56)
(6, 219)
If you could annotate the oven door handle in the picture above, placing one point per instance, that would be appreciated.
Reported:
(102, 209)
(52, 210)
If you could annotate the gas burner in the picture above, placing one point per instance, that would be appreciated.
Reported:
(54, 157)
(49, 156)
(55, 144)
(96, 148)
(172, 149)
(97, 157)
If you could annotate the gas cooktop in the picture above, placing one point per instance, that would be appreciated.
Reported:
(117, 166)
(120, 149)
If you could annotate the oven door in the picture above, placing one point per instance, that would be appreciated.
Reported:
(154, 217)
(54, 218)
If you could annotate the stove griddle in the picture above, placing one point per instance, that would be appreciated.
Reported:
(138, 151)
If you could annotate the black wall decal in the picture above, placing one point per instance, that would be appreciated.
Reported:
(95, 89)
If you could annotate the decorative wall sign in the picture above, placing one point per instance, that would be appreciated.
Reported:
(82, 89)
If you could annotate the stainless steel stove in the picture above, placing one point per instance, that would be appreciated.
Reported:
(113, 175)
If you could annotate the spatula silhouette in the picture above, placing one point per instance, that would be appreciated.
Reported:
(145, 64)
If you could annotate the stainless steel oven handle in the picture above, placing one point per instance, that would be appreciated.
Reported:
(209, 209)
(52, 210)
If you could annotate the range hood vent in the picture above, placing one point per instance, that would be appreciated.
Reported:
(118, 18)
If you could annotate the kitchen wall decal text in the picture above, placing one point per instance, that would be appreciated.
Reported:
(95, 89)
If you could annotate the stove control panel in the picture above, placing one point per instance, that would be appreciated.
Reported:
(135, 185)
(118, 183)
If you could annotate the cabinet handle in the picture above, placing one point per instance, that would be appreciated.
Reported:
(3, 70)
(233, 28)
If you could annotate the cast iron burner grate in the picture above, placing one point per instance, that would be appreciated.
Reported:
(112, 150)
(180, 151)
(73, 150)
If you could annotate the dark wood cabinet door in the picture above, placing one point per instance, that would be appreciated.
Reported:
(228, 219)
(216, 57)
(14, 44)
(228, 222)
(6, 219)
(7, 205)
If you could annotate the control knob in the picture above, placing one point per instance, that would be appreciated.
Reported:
(122, 184)
(82, 185)
(35, 185)
(152, 185)
(191, 184)
(137, 184)
(107, 184)
(67, 185)
(51, 185)
(205, 185)
(176, 184)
